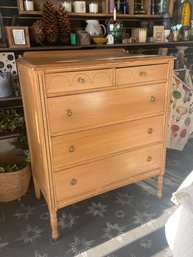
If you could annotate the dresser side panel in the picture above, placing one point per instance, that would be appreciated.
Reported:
(36, 129)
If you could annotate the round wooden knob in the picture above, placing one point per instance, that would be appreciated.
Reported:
(150, 130)
(152, 98)
(143, 74)
(68, 112)
(71, 149)
(81, 80)
(73, 182)
(149, 158)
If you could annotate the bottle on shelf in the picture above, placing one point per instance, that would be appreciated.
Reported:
(162, 6)
(153, 7)
(125, 7)
(185, 13)
(119, 6)
(166, 20)
(111, 6)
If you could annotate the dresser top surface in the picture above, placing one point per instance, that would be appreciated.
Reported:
(62, 59)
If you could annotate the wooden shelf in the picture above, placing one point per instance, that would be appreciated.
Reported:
(11, 102)
(10, 98)
(70, 47)
(103, 6)
(97, 15)
(8, 136)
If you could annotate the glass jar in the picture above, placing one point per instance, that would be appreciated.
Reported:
(93, 7)
(67, 5)
(5, 84)
(163, 6)
(29, 5)
(166, 20)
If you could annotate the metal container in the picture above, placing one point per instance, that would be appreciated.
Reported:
(5, 84)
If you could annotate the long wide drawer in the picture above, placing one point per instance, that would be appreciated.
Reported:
(96, 175)
(83, 111)
(70, 81)
(141, 74)
(82, 146)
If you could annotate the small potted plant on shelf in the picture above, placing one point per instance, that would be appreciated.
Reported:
(115, 28)
(15, 172)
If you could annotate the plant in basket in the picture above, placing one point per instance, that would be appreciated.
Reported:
(15, 172)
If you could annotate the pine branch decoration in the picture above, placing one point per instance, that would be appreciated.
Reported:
(63, 24)
(50, 23)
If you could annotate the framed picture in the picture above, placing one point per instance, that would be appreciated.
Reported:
(158, 33)
(17, 36)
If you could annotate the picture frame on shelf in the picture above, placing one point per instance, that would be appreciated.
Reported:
(17, 36)
(158, 33)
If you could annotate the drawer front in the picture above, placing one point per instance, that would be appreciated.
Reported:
(71, 81)
(96, 175)
(95, 143)
(91, 110)
(141, 74)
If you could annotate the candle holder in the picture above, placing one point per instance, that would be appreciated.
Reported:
(115, 28)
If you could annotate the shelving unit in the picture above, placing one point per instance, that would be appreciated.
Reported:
(103, 9)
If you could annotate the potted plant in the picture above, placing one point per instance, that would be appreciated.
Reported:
(15, 172)
(115, 28)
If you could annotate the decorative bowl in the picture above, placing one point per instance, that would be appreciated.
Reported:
(99, 40)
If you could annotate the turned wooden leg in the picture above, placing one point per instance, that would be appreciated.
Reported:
(54, 224)
(159, 186)
(36, 188)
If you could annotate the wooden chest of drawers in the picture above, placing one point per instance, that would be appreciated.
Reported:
(94, 124)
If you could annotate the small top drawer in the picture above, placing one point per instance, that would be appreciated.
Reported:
(141, 74)
(70, 81)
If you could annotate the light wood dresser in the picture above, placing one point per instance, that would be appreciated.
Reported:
(96, 120)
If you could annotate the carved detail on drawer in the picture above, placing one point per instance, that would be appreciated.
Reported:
(71, 81)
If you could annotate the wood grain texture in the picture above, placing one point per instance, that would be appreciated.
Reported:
(89, 110)
(89, 139)
(95, 175)
(76, 148)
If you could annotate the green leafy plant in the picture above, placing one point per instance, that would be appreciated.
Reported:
(12, 121)
(12, 167)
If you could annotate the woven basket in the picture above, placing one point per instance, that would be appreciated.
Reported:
(13, 185)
